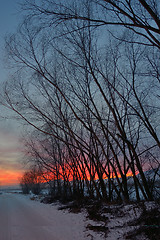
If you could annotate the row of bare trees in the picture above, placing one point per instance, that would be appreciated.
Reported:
(87, 79)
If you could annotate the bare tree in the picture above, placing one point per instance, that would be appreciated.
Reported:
(90, 102)
(31, 181)
(140, 16)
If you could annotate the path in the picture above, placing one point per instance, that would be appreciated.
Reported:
(23, 219)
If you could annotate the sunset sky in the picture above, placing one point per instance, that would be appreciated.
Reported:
(10, 158)
(10, 131)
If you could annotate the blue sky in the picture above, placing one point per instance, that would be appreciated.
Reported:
(9, 20)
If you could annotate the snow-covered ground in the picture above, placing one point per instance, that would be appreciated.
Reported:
(22, 218)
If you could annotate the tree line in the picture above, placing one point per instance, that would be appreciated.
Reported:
(86, 82)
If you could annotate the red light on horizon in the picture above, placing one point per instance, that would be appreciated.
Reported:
(10, 177)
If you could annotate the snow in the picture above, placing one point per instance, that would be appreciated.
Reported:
(26, 219)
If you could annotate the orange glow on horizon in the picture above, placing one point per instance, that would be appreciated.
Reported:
(70, 175)
(9, 177)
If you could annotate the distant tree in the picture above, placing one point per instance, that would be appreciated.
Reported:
(31, 181)
(25, 183)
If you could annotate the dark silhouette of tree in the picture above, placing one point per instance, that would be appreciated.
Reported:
(90, 92)
(31, 181)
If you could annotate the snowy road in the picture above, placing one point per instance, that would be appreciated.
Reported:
(23, 219)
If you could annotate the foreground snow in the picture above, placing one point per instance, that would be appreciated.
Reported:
(25, 219)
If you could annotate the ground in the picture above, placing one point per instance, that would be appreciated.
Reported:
(25, 217)
(134, 221)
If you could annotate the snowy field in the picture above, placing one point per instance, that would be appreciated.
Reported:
(26, 219)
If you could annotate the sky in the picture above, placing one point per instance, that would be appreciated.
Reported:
(11, 168)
